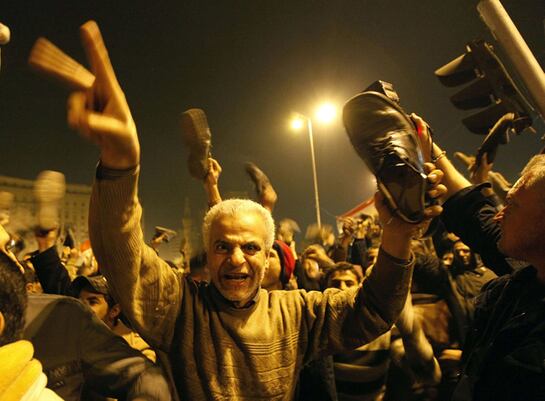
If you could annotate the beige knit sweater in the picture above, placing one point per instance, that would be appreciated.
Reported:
(219, 352)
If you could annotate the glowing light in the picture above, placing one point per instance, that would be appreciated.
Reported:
(297, 123)
(326, 113)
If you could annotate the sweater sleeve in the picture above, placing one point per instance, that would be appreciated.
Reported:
(148, 290)
(339, 321)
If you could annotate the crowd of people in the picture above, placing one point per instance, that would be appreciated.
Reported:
(436, 296)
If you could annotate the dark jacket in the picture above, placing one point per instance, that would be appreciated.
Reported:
(51, 273)
(504, 354)
(75, 347)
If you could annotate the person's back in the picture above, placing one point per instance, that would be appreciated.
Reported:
(469, 276)
(77, 350)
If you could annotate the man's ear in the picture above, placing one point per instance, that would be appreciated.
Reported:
(114, 312)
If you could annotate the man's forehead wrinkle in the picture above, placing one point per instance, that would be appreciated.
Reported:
(239, 228)
(240, 238)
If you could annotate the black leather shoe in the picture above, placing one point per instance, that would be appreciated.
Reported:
(386, 139)
(197, 137)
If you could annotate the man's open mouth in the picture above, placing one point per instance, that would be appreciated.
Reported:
(236, 276)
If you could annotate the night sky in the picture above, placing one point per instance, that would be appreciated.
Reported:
(248, 64)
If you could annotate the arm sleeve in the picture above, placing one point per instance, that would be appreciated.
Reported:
(339, 321)
(470, 215)
(148, 290)
(51, 272)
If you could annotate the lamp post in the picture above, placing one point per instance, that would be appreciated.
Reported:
(324, 114)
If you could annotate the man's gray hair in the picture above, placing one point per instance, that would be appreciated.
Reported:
(234, 207)
(535, 170)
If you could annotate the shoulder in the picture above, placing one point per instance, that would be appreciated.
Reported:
(42, 302)
(491, 291)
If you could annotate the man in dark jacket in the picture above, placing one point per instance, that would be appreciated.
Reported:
(504, 351)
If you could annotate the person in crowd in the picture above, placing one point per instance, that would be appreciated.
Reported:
(469, 276)
(13, 300)
(438, 312)
(361, 374)
(229, 338)
(322, 235)
(33, 285)
(279, 273)
(286, 232)
(316, 379)
(21, 376)
(354, 241)
(311, 266)
(504, 351)
(198, 270)
(94, 292)
(372, 254)
(447, 259)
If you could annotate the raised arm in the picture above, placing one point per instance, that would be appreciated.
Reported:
(145, 286)
(211, 182)
(468, 212)
(453, 180)
(348, 319)
(52, 274)
(418, 352)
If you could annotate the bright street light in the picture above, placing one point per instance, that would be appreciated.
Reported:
(325, 114)
(297, 123)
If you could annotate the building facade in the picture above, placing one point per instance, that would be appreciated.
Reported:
(74, 209)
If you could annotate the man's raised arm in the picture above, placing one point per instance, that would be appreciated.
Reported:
(147, 289)
(468, 212)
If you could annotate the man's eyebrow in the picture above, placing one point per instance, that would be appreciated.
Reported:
(252, 243)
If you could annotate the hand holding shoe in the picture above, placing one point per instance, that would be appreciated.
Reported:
(102, 114)
(214, 172)
(211, 182)
(397, 233)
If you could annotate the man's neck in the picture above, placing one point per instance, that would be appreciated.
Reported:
(239, 304)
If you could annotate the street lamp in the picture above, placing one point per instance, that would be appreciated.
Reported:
(324, 114)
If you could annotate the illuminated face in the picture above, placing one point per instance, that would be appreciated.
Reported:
(96, 302)
(237, 257)
(372, 255)
(521, 220)
(447, 258)
(311, 268)
(463, 253)
(272, 275)
(343, 279)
